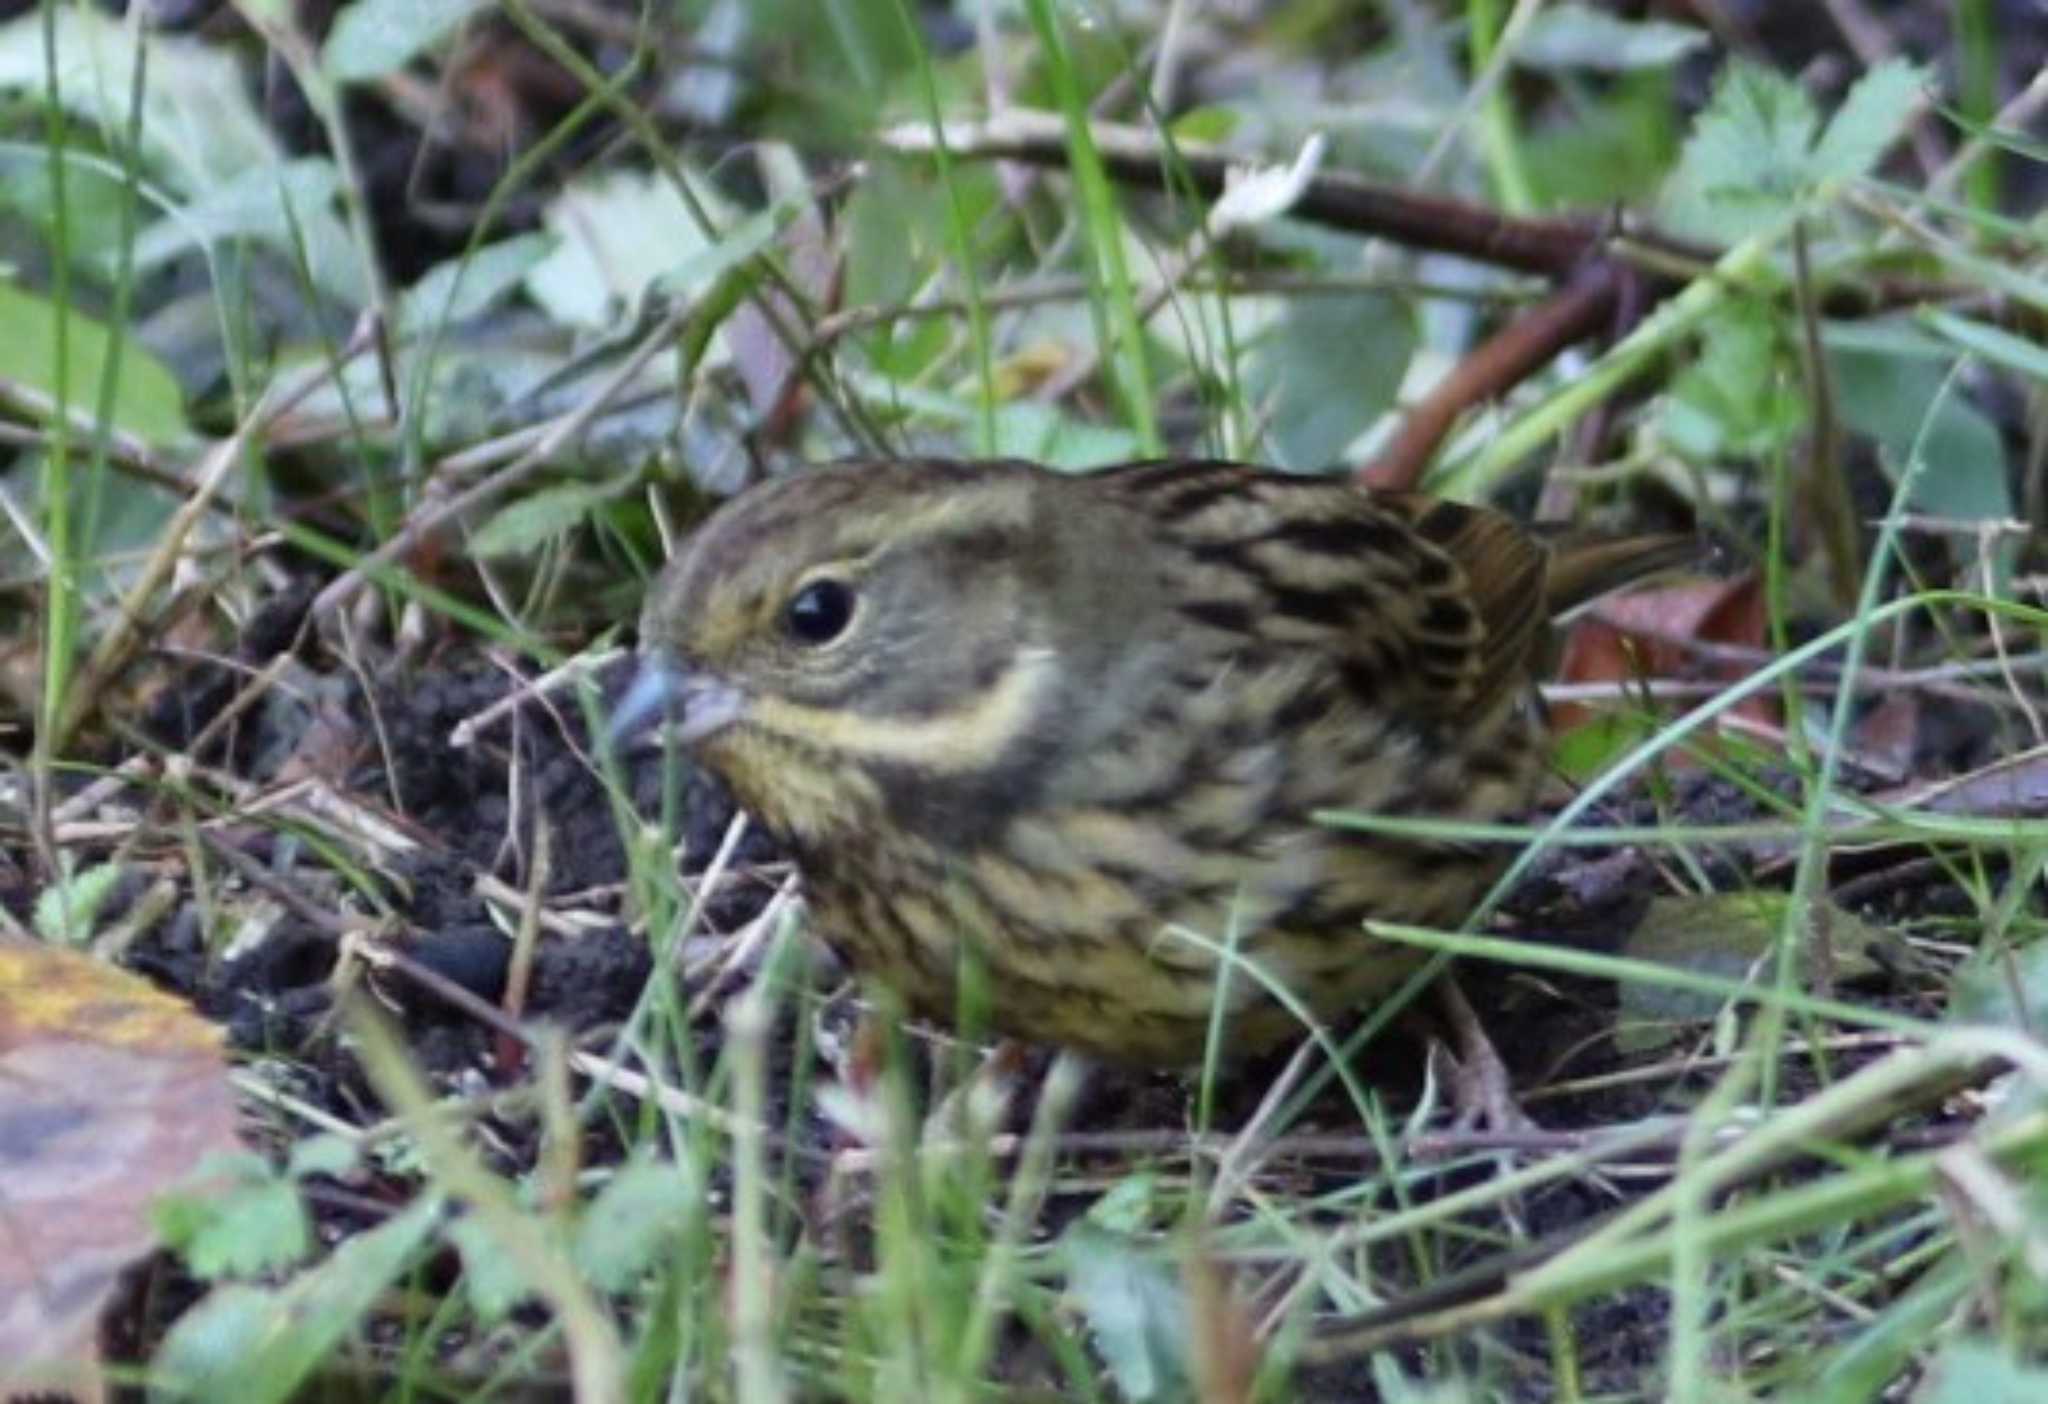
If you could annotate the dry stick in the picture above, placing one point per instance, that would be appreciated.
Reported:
(1136, 156)
(1827, 487)
(1507, 358)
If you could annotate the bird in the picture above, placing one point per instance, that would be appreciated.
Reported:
(1068, 735)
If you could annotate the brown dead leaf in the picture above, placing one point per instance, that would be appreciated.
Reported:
(1644, 635)
(110, 1093)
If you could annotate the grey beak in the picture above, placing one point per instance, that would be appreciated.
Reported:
(694, 704)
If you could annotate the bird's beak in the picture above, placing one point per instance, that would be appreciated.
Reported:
(695, 704)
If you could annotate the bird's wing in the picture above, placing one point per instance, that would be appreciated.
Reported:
(1432, 608)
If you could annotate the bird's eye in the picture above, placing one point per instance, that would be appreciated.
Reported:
(818, 613)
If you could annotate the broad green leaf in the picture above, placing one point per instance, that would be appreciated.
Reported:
(1870, 119)
(1993, 344)
(322, 1155)
(895, 224)
(1206, 124)
(492, 1281)
(259, 1346)
(1981, 1372)
(290, 207)
(147, 402)
(1731, 936)
(632, 1223)
(616, 234)
(198, 127)
(1888, 377)
(538, 517)
(459, 288)
(375, 38)
(2008, 988)
(1737, 399)
(1137, 1312)
(740, 242)
(249, 1221)
(1745, 162)
(68, 909)
(1327, 370)
(94, 194)
(1568, 36)
(1619, 144)
(1757, 149)
(1041, 432)
(1585, 751)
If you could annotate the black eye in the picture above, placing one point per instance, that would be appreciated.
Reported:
(819, 612)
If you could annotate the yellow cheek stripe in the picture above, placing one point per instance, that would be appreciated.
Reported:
(967, 738)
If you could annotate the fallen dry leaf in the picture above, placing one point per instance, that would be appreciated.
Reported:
(1644, 634)
(110, 1093)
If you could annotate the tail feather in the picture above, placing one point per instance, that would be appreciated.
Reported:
(1583, 570)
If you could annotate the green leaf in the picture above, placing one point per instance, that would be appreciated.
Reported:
(198, 127)
(457, 289)
(1753, 155)
(68, 909)
(249, 1221)
(894, 224)
(1211, 125)
(322, 1155)
(1736, 400)
(1746, 161)
(632, 1222)
(1732, 936)
(1619, 144)
(1327, 370)
(491, 1279)
(1870, 119)
(1888, 376)
(615, 234)
(1981, 1372)
(740, 242)
(290, 207)
(2008, 988)
(91, 213)
(372, 39)
(147, 401)
(1571, 36)
(1137, 1312)
(539, 517)
(261, 1347)
(1585, 751)
(1045, 434)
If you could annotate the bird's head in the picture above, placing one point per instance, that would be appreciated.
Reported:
(853, 620)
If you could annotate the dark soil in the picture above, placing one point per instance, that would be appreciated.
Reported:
(475, 812)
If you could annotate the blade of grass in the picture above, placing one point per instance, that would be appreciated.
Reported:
(1115, 303)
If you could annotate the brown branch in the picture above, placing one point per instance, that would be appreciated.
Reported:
(1508, 357)
(1137, 156)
